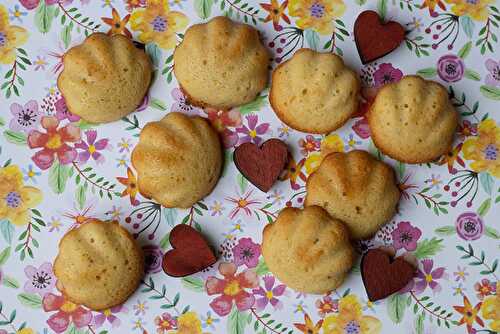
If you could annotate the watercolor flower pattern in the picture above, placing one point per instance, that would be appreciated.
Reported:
(316, 14)
(130, 182)
(246, 252)
(118, 26)
(11, 37)
(66, 313)
(470, 315)
(164, 323)
(405, 236)
(309, 327)
(469, 226)
(450, 68)
(276, 13)
(493, 78)
(40, 280)
(252, 132)
(269, 294)
(429, 277)
(108, 315)
(475, 9)
(25, 118)
(484, 148)
(385, 74)
(62, 111)
(490, 309)
(92, 148)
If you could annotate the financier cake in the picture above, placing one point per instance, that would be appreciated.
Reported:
(413, 120)
(308, 250)
(178, 160)
(314, 92)
(99, 265)
(355, 188)
(221, 64)
(105, 78)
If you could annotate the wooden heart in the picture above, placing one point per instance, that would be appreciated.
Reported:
(382, 275)
(261, 166)
(190, 253)
(374, 39)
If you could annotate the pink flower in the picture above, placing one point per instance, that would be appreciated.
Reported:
(386, 74)
(153, 256)
(485, 288)
(67, 312)
(493, 78)
(405, 236)
(53, 143)
(182, 105)
(469, 226)
(41, 280)
(246, 252)
(25, 118)
(252, 132)
(109, 315)
(221, 120)
(310, 144)
(269, 294)
(231, 289)
(361, 128)
(92, 147)
(242, 203)
(62, 111)
(450, 68)
(164, 323)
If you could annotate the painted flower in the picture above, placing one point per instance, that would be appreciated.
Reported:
(242, 203)
(40, 280)
(164, 323)
(140, 308)
(40, 63)
(293, 172)
(182, 105)
(458, 290)
(231, 289)
(405, 236)
(461, 274)
(475, 9)
(209, 321)
(431, 4)
(269, 294)
(491, 309)
(25, 118)
(318, 15)
(276, 12)
(284, 131)
(308, 327)
(67, 312)
(246, 252)
(309, 144)
(30, 173)
(131, 4)
(124, 145)
(350, 319)
(117, 24)
(153, 256)
(493, 78)
(361, 128)
(484, 288)
(91, 147)
(351, 143)
(216, 209)
(53, 143)
(466, 129)
(130, 182)
(62, 111)
(188, 323)
(434, 181)
(429, 277)
(484, 148)
(327, 305)
(450, 68)
(17, 14)
(108, 315)
(11, 37)
(122, 161)
(252, 132)
(222, 120)
(451, 158)
(156, 23)
(385, 74)
(469, 226)
(16, 198)
(469, 315)
(55, 224)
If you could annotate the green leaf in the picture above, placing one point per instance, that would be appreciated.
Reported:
(360, 2)
(158, 104)
(428, 72)
(396, 306)
(465, 50)
(165, 241)
(382, 9)
(253, 106)
(487, 182)
(7, 230)
(492, 233)
(193, 283)
(419, 324)
(80, 195)
(484, 207)
(10, 282)
(428, 247)
(30, 300)
(4, 256)
(242, 182)
(445, 230)
(312, 38)
(203, 8)
(473, 75)
(261, 268)
(154, 53)
(43, 17)
(236, 322)
(58, 176)
(467, 25)
(66, 36)
(490, 92)
(18, 138)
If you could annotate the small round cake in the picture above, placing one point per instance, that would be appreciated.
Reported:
(178, 160)
(413, 120)
(221, 64)
(355, 188)
(308, 250)
(99, 265)
(104, 78)
(314, 92)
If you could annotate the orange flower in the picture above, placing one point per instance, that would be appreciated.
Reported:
(469, 314)
(431, 4)
(293, 171)
(308, 326)
(118, 25)
(451, 157)
(276, 12)
(131, 183)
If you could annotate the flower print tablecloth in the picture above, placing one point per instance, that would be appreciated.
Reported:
(57, 171)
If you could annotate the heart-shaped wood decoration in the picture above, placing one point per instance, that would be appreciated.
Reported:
(190, 253)
(261, 165)
(374, 39)
(382, 275)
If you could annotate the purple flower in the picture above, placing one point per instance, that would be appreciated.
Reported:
(246, 252)
(253, 131)
(405, 236)
(144, 103)
(25, 118)
(92, 147)
(62, 111)
(269, 294)
(153, 256)
(450, 68)
(469, 226)
(182, 105)
(428, 277)
(386, 74)
(109, 315)
(41, 280)
(493, 78)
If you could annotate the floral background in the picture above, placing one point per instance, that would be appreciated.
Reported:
(57, 171)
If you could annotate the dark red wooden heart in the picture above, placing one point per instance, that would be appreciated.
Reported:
(190, 253)
(374, 39)
(261, 165)
(382, 275)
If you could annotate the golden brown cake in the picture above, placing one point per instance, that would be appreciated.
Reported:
(99, 265)
(314, 92)
(104, 78)
(413, 120)
(221, 64)
(308, 250)
(355, 188)
(178, 160)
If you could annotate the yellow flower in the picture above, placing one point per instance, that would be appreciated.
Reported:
(188, 323)
(318, 15)
(330, 144)
(158, 24)
(16, 199)
(351, 319)
(484, 148)
(491, 310)
(25, 330)
(10, 38)
(476, 9)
